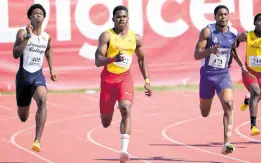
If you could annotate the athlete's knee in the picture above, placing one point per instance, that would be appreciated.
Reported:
(205, 110)
(106, 124)
(255, 92)
(41, 102)
(23, 113)
(228, 105)
(106, 120)
(125, 110)
(205, 113)
(23, 118)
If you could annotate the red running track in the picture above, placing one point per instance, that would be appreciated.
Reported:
(167, 127)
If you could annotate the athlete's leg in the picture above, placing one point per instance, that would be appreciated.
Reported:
(107, 103)
(39, 91)
(226, 98)
(205, 106)
(106, 119)
(125, 126)
(126, 94)
(125, 100)
(206, 93)
(23, 99)
(253, 102)
(225, 94)
(245, 102)
(253, 86)
(40, 96)
(125, 110)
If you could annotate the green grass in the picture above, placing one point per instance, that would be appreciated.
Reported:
(192, 87)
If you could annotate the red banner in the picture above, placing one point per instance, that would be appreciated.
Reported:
(170, 29)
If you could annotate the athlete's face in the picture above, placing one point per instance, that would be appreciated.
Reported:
(121, 19)
(222, 17)
(37, 17)
(258, 24)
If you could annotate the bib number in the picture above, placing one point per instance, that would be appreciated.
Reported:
(254, 61)
(33, 60)
(217, 61)
(126, 63)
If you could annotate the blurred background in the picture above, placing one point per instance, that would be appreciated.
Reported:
(170, 29)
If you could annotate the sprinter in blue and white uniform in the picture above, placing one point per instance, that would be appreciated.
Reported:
(216, 41)
(31, 45)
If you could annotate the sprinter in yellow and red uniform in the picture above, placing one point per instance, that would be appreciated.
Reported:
(115, 52)
(251, 71)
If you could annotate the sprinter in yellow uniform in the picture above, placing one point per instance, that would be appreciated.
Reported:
(115, 52)
(252, 79)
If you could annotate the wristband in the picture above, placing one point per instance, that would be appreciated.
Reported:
(28, 35)
(147, 80)
(243, 67)
(111, 60)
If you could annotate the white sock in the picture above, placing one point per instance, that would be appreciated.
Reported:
(226, 144)
(124, 142)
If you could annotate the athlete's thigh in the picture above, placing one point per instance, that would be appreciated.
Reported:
(206, 89)
(107, 98)
(126, 90)
(258, 76)
(39, 89)
(224, 82)
(247, 81)
(23, 95)
(206, 94)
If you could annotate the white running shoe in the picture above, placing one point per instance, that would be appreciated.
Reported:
(124, 157)
(228, 148)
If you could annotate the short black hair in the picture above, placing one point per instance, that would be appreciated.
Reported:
(118, 8)
(219, 7)
(256, 17)
(34, 6)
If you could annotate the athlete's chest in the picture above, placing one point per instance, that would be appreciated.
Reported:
(126, 44)
(226, 40)
(220, 59)
(37, 44)
(254, 43)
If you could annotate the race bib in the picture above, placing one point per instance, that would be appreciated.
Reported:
(33, 60)
(217, 61)
(126, 63)
(255, 61)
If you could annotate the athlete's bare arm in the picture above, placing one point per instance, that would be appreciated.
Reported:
(242, 37)
(235, 53)
(141, 57)
(49, 58)
(20, 43)
(142, 63)
(237, 58)
(100, 55)
(200, 51)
